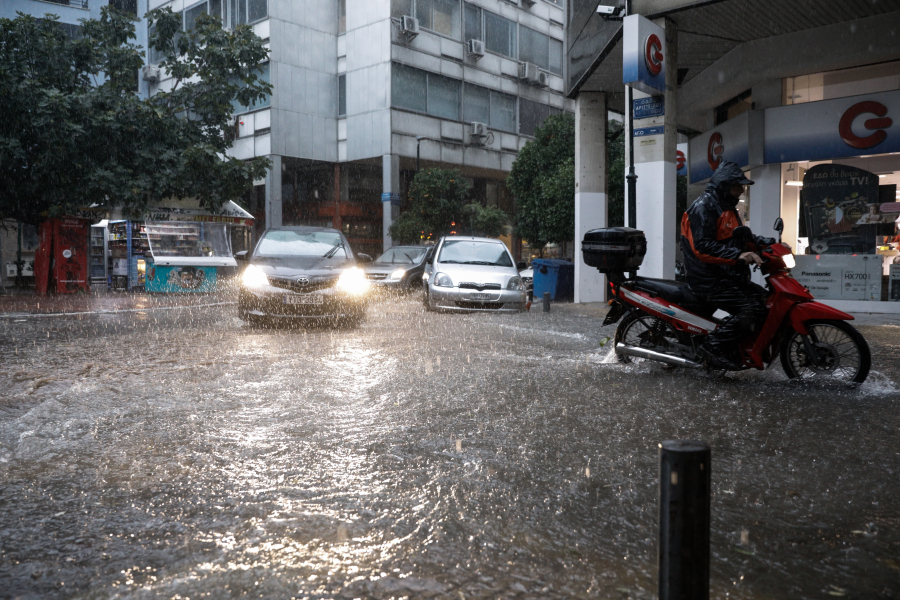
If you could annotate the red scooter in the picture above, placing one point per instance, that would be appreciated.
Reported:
(663, 321)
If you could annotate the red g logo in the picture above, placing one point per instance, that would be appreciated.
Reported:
(679, 160)
(653, 55)
(846, 126)
(714, 150)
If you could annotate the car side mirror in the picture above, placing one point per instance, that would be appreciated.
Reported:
(363, 258)
(242, 255)
(520, 266)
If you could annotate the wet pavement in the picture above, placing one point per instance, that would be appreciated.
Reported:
(160, 448)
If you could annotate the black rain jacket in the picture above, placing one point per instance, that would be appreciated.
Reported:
(710, 253)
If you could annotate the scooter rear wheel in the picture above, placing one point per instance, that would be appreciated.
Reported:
(643, 331)
(842, 352)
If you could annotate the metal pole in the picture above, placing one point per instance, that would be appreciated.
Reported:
(684, 490)
(631, 177)
(546, 301)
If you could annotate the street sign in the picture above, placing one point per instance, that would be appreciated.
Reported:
(654, 106)
(391, 197)
(645, 131)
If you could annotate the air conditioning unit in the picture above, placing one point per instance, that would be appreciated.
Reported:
(527, 3)
(409, 27)
(475, 49)
(150, 73)
(530, 73)
(478, 132)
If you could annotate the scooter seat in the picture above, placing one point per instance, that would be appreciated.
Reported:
(676, 292)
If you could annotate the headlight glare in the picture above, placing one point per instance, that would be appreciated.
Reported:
(353, 281)
(789, 261)
(398, 274)
(254, 277)
(443, 280)
(515, 283)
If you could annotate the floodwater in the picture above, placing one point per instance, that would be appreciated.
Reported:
(180, 453)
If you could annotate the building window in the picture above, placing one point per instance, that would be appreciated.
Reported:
(474, 27)
(440, 16)
(532, 115)
(342, 16)
(342, 95)
(734, 107)
(499, 35)
(540, 49)
(426, 92)
(129, 7)
(869, 79)
(495, 109)
(193, 13)
(263, 75)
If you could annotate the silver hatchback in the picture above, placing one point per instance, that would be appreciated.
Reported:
(472, 274)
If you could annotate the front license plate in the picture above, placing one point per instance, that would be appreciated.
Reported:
(312, 299)
(481, 296)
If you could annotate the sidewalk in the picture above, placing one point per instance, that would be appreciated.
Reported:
(23, 303)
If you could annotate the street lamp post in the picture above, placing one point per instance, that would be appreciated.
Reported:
(631, 177)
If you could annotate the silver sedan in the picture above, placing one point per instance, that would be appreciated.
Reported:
(473, 274)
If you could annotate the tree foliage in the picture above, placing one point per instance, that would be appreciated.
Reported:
(542, 181)
(440, 205)
(77, 134)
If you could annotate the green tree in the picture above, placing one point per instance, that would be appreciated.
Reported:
(77, 133)
(542, 181)
(439, 205)
(615, 174)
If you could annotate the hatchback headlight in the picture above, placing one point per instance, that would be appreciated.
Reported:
(353, 281)
(516, 284)
(789, 261)
(398, 274)
(254, 277)
(443, 280)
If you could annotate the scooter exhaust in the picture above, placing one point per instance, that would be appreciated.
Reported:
(675, 361)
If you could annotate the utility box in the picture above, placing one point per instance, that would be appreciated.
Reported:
(554, 276)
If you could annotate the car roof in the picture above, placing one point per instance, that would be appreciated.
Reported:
(471, 238)
(308, 228)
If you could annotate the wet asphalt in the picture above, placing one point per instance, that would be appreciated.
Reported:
(174, 452)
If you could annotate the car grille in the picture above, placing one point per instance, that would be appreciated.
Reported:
(479, 306)
(292, 285)
(376, 276)
(479, 286)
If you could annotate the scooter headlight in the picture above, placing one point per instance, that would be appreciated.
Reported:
(789, 261)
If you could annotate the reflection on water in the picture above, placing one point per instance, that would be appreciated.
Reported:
(183, 453)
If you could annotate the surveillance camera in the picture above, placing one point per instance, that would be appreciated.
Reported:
(606, 10)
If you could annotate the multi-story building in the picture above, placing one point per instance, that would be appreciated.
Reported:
(363, 87)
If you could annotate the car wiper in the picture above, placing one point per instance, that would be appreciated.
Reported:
(333, 250)
(480, 262)
(451, 262)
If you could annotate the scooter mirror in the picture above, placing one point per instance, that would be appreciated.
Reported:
(779, 225)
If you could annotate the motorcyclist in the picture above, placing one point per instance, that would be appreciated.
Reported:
(718, 266)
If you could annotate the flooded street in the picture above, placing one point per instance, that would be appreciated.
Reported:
(180, 453)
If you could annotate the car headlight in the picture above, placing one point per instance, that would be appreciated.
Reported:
(515, 283)
(353, 281)
(398, 274)
(789, 261)
(254, 277)
(442, 280)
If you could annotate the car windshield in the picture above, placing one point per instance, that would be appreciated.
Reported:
(327, 244)
(471, 252)
(401, 256)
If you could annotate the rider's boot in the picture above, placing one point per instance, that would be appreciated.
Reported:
(719, 356)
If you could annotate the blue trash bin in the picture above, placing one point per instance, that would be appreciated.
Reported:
(554, 276)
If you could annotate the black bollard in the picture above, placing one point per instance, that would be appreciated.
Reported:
(546, 301)
(684, 489)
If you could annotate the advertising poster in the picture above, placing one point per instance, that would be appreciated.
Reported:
(840, 277)
(841, 210)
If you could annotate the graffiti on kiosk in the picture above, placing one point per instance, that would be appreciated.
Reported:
(714, 150)
(877, 125)
(653, 55)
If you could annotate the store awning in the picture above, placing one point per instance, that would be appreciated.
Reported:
(190, 210)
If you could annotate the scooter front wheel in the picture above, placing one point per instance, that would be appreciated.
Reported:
(643, 331)
(841, 353)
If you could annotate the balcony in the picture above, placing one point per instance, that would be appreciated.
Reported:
(73, 3)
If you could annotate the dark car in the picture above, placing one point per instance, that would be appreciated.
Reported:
(303, 273)
(400, 268)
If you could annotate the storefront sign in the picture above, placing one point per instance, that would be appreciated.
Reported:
(653, 106)
(229, 213)
(681, 160)
(840, 277)
(729, 141)
(643, 55)
(829, 129)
